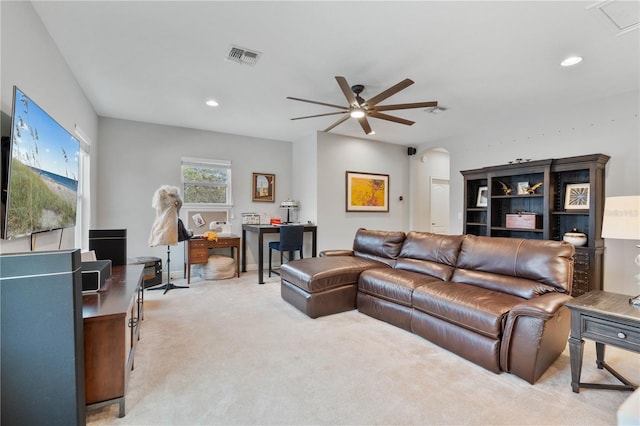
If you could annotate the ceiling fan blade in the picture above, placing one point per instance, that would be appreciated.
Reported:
(364, 123)
(319, 115)
(344, 86)
(342, 120)
(389, 92)
(406, 106)
(318, 103)
(388, 117)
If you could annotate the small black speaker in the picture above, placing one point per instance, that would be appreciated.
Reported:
(109, 244)
(411, 151)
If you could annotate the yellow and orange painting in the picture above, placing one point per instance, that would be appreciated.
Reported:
(367, 192)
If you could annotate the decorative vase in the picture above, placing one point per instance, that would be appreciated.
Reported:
(576, 238)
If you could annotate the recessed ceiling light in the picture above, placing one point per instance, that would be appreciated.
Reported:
(212, 103)
(570, 61)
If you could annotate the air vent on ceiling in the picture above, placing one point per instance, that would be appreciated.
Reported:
(243, 56)
(623, 15)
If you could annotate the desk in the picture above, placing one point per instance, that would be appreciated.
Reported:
(111, 329)
(270, 229)
(196, 251)
(607, 318)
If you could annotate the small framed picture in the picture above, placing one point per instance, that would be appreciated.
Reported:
(198, 220)
(264, 187)
(482, 197)
(576, 196)
(522, 188)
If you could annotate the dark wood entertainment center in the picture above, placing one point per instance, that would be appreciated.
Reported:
(112, 319)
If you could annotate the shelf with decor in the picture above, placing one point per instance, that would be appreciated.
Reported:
(519, 202)
(475, 195)
(543, 199)
(578, 206)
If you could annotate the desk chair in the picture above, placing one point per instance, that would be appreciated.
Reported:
(291, 239)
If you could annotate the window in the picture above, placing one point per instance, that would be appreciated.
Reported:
(83, 212)
(206, 182)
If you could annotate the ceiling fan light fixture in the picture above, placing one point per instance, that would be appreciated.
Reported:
(357, 113)
(212, 102)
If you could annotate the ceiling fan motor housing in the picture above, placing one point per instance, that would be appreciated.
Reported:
(357, 89)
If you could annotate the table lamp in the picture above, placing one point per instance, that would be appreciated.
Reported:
(289, 205)
(622, 221)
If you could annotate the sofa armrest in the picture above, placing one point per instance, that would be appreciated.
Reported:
(535, 334)
(336, 253)
(543, 307)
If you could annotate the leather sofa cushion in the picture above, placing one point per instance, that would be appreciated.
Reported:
(521, 267)
(474, 308)
(432, 254)
(382, 246)
(391, 284)
(316, 274)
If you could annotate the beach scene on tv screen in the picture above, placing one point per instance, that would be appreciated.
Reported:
(43, 186)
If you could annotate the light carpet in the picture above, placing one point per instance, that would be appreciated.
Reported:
(232, 352)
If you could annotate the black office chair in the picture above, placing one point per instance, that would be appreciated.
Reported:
(291, 239)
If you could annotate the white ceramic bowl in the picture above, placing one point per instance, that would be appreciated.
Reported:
(578, 239)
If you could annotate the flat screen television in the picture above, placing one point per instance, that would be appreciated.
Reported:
(40, 183)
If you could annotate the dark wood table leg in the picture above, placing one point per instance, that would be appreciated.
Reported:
(244, 250)
(314, 242)
(260, 257)
(576, 351)
(600, 355)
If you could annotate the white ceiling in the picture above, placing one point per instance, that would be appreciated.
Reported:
(486, 62)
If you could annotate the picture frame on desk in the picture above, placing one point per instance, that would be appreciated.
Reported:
(263, 187)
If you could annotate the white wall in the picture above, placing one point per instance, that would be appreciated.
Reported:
(338, 154)
(305, 182)
(137, 158)
(611, 127)
(30, 60)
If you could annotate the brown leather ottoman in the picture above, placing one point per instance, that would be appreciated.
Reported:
(322, 286)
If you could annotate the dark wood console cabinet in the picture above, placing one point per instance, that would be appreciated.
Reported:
(547, 203)
(111, 329)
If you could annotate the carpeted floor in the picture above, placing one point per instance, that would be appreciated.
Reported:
(232, 352)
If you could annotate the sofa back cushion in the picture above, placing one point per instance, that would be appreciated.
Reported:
(383, 246)
(431, 254)
(521, 267)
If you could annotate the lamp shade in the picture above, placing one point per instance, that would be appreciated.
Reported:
(288, 204)
(622, 218)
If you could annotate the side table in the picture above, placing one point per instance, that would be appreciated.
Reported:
(196, 252)
(608, 319)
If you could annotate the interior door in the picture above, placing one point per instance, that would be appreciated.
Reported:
(439, 206)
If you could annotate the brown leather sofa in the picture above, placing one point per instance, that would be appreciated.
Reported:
(498, 302)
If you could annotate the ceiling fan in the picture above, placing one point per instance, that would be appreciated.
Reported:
(360, 109)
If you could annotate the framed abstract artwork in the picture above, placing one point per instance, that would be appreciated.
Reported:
(263, 187)
(576, 196)
(367, 192)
